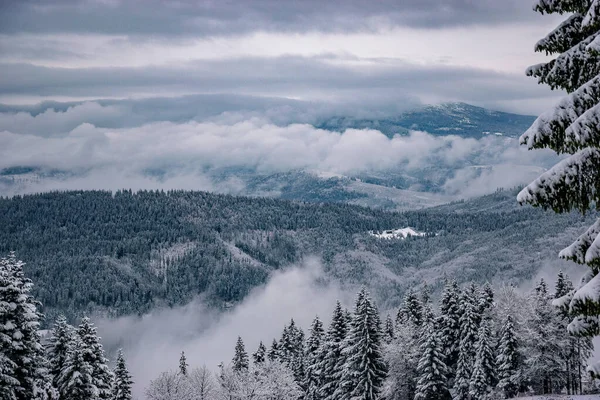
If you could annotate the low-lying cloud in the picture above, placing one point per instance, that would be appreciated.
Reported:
(153, 343)
(116, 145)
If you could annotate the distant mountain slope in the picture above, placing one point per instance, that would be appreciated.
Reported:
(127, 253)
(446, 119)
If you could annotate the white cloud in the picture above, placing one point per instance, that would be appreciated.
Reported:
(153, 343)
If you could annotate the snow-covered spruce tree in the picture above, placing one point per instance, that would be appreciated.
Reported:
(23, 372)
(273, 353)
(291, 349)
(122, 384)
(93, 354)
(183, 365)
(508, 360)
(365, 369)
(389, 329)
(57, 348)
(483, 375)
(572, 128)
(313, 359)
(411, 310)
(450, 313)
(331, 353)
(240, 361)
(432, 383)
(486, 299)
(260, 355)
(469, 327)
(76, 380)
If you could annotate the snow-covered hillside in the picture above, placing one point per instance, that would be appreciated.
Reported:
(401, 233)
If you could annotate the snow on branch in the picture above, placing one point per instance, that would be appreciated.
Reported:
(578, 251)
(549, 129)
(572, 183)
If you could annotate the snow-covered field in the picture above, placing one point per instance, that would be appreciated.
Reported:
(402, 233)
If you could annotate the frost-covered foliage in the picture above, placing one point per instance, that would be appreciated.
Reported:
(572, 127)
(23, 367)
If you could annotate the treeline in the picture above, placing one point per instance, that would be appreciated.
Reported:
(477, 344)
(127, 253)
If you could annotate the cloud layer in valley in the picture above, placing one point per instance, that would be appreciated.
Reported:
(154, 342)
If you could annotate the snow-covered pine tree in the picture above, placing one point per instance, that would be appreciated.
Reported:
(24, 367)
(93, 354)
(291, 347)
(486, 298)
(240, 361)
(331, 353)
(508, 360)
(389, 329)
(313, 360)
(273, 353)
(469, 327)
(483, 375)
(76, 380)
(260, 355)
(123, 382)
(411, 310)
(432, 383)
(365, 369)
(450, 313)
(573, 128)
(183, 365)
(57, 348)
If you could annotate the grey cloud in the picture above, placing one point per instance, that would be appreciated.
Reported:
(314, 78)
(205, 18)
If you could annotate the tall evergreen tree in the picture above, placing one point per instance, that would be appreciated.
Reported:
(93, 354)
(273, 353)
(411, 310)
(291, 347)
(483, 375)
(573, 128)
(508, 361)
(365, 369)
(183, 365)
(260, 355)
(240, 360)
(332, 358)
(57, 348)
(76, 380)
(469, 327)
(433, 373)
(314, 345)
(123, 382)
(23, 366)
(450, 313)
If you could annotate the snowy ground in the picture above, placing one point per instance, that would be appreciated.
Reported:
(402, 233)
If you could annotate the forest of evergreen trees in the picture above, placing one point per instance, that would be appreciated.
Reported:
(477, 343)
(128, 253)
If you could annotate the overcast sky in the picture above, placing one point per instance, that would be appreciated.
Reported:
(391, 50)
